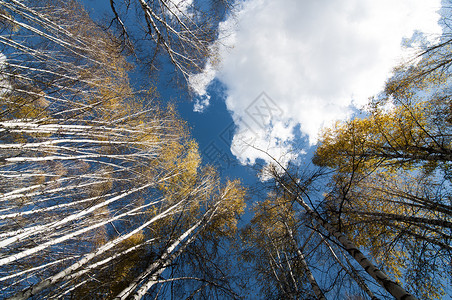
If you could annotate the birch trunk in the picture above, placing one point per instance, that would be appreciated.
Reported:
(34, 290)
(315, 286)
(389, 285)
(159, 266)
(353, 274)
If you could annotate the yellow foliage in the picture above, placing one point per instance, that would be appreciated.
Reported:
(399, 138)
(134, 240)
(386, 163)
(231, 205)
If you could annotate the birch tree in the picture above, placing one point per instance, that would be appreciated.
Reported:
(277, 259)
(391, 184)
(297, 191)
(180, 31)
(101, 187)
(291, 255)
(400, 221)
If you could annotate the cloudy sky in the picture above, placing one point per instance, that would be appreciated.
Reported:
(293, 66)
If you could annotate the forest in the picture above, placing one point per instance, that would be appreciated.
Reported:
(104, 192)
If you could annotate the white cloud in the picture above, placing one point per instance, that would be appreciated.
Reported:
(201, 103)
(313, 60)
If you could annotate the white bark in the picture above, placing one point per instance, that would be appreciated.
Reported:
(31, 291)
(55, 225)
(391, 286)
(315, 286)
(37, 268)
(157, 267)
(28, 252)
(92, 267)
(51, 208)
(353, 274)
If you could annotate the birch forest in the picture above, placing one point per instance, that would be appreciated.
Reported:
(104, 193)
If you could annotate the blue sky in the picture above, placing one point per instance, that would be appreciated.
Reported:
(316, 60)
(285, 69)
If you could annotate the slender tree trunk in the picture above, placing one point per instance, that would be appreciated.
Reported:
(158, 267)
(389, 285)
(353, 274)
(315, 286)
(408, 219)
(34, 290)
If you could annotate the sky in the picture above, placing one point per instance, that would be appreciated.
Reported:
(283, 70)
(291, 67)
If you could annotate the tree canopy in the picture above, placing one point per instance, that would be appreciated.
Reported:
(391, 188)
(102, 187)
